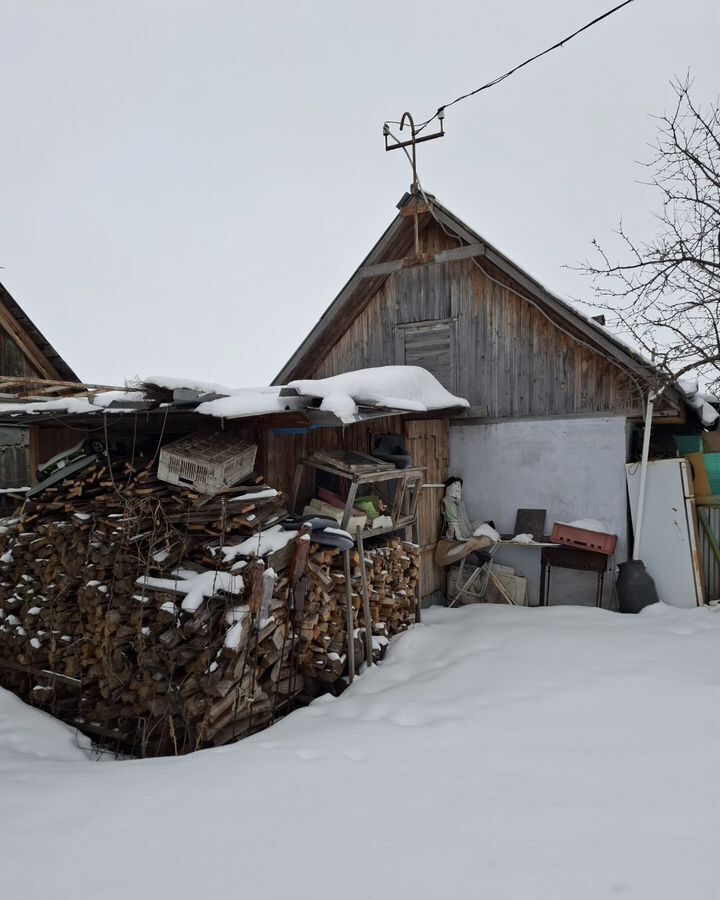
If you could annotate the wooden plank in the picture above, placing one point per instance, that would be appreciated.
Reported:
(410, 210)
(428, 443)
(383, 268)
(467, 252)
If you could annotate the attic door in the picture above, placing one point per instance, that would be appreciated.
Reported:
(430, 345)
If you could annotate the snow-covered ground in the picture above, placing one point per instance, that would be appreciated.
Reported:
(533, 754)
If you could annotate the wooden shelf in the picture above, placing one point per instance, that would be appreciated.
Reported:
(406, 498)
(406, 522)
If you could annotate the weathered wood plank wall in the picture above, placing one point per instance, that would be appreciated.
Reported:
(14, 471)
(12, 360)
(509, 357)
(429, 440)
(279, 451)
(426, 439)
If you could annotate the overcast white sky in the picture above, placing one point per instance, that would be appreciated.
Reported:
(185, 186)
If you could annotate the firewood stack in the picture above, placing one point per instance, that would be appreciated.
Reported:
(138, 611)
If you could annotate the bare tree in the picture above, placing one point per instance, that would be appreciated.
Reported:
(665, 294)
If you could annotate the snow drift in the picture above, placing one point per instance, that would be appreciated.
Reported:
(511, 753)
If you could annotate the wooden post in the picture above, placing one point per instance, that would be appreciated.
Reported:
(349, 503)
(366, 599)
(399, 497)
(295, 490)
(349, 623)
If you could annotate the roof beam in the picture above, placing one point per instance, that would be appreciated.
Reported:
(467, 252)
(383, 268)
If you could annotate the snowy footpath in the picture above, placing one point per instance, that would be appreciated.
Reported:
(534, 754)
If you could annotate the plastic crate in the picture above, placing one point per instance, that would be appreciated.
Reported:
(207, 463)
(583, 538)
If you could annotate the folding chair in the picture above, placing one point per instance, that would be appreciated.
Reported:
(472, 584)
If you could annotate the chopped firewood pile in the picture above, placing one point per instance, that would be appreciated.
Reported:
(160, 621)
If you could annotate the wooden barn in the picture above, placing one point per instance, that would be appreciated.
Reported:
(553, 394)
(27, 357)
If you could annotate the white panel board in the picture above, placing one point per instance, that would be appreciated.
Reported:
(668, 536)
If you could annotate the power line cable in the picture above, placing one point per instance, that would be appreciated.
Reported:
(526, 62)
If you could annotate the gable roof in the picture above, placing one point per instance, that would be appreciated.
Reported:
(40, 353)
(389, 255)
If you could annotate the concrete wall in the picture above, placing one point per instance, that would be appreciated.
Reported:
(574, 468)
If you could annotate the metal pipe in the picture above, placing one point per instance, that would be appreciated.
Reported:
(349, 623)
(365, 600)
(643, 473)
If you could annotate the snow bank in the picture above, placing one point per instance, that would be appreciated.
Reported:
(503, 752)
(399, 387)
(28, 735)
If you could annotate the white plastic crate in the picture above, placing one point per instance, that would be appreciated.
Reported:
(207, 463)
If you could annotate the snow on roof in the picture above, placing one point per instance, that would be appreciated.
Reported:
(74, 405)
(402, 388)
(700, 402)
(174, 383)
(249, 402)
(409, 388)
(105, 398)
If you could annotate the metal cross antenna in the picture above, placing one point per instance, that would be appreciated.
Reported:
(414, 140)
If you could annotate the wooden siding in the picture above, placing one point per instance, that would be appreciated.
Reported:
(12, 360)
(279, 452)
(14, 471)
(35, 346)
(430, 345)
(429, 440)
(509, 356)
